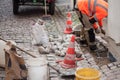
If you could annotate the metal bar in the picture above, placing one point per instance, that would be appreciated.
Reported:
(74, 4)
(45, 7)
(54, 68)
(20, 48)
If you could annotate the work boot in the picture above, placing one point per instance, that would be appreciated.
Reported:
(93, 47)
(78, 55)
(102, 31)
(91, 35)
(83, 42)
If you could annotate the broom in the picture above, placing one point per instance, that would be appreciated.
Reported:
(46, 16)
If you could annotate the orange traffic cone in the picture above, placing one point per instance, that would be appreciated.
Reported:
(68, 29)
(69, 60)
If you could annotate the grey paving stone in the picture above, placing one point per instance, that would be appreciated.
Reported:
(55, 78)
(104, 67)
(110, 65)
(53, 75)
(113, 67)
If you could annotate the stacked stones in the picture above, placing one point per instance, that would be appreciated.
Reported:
(59, 44)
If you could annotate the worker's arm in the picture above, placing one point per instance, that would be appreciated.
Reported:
(100, 23)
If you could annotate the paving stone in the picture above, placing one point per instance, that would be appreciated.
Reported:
(113, 67)
(95, 66)
(110, 77)
(118, 76)
(108, 73)
(104, 67)
(116, 63)
(53, 71)
(110, 65)
(55, 78)
(92, 63)
(103, 78)
(53, 75)
(90, 59)
(105, 70)
(51, 58)
(54, 64)
(87, 55)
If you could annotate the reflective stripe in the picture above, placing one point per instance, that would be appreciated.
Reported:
(90, 12)
(69, 18)
(94, 6)
(71, 45)
(70, 56)
(102, 7)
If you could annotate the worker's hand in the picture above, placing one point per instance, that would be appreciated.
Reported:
(97, 31)
(102, 31)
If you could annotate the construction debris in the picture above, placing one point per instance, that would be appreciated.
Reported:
(42, 50)
(39, 34)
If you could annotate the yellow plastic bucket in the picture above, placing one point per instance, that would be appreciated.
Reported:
(87, 74)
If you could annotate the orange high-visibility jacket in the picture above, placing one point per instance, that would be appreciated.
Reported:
(97, 9)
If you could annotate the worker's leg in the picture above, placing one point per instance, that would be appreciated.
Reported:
(91, 37)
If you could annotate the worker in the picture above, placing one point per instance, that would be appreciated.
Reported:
(96, 10)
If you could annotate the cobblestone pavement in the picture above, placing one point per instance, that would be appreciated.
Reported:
(18, 28)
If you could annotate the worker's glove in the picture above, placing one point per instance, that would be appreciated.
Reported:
(97, 31)
(92, 20)
(102, 31)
